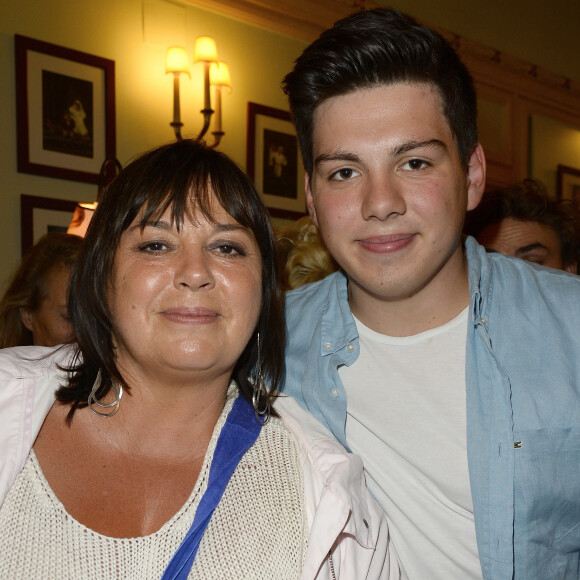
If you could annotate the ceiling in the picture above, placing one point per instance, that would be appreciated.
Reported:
(304, 19)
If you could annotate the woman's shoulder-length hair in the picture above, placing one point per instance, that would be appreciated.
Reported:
(172, 178)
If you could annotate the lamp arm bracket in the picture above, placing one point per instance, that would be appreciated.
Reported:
(177, 130)
(207, 113)
(217, 137)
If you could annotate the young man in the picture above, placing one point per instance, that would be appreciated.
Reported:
(525, 222)
(454, 374)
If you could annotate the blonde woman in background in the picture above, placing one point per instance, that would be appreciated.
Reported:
(302, 257)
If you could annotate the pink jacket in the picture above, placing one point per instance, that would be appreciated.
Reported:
(345, 520)
(28, 380)
(349, 538)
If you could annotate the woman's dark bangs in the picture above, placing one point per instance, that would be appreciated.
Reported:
(227, 188)
(180, 198)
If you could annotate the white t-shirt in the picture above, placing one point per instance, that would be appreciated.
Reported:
(407, 420)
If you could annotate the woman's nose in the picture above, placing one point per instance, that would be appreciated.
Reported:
(193, 270)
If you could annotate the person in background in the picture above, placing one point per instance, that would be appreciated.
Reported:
(33, 310)
(302, 256)
(162, 456)
(452, 372)
(525, 222)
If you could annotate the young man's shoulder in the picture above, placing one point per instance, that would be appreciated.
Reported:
(313, 300)
(320, 289)
(525, 308)
(494, 273)
(527, 279)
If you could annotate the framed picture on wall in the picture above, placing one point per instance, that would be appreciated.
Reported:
(568, 186)
(273, 161)
(41, 215)
(65, 110)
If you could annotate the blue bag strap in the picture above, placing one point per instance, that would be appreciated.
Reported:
(238, 434)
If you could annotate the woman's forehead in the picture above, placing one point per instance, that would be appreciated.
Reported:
(193, 213)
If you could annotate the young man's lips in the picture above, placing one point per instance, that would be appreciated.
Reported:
(190, 315)
(387, 243)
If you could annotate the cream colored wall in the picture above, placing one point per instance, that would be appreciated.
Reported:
(541, 32)
(135, 34)
(552, 143)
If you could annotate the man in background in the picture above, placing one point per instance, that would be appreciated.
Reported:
(525, 222)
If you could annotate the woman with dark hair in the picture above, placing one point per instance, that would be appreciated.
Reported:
(33, 309)
(163, 455)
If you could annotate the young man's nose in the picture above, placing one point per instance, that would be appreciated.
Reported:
(382, 198)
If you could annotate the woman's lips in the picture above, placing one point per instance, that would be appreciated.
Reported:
(190, 315)
(386, 244)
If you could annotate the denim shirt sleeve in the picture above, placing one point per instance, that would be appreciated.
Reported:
(321, 337)
(523, 398)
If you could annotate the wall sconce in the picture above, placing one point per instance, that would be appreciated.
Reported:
(219, 77)
(215, 73)
(176, 62)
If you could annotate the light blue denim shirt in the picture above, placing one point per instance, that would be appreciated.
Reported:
(523, 403)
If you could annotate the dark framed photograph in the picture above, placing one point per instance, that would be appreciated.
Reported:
(65, 110)
(568, 183)
(41, 215)
(273, 161)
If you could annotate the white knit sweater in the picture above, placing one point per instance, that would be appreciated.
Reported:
(258, 530)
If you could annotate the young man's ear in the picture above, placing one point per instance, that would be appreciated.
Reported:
(310, 199)
(475, 177)
(572, 267)
(27, 318)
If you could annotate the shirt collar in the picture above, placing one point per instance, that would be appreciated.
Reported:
(337, 322)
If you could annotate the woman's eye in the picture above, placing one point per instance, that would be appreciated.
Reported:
(230, 249)
(153, 247)
(343, 174)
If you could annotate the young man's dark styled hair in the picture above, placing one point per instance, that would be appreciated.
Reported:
(529, 202)
(380, 47)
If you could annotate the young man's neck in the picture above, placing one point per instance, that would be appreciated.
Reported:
(431, 307)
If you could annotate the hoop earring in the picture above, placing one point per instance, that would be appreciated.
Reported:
(92, 400)
(259, 390)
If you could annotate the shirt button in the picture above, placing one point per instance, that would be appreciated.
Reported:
(350, 347)
(334, 392)
(327, 345)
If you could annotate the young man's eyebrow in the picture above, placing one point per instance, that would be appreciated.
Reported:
(530, 247)
(398, 150)
(412, 145)
(337, 156)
